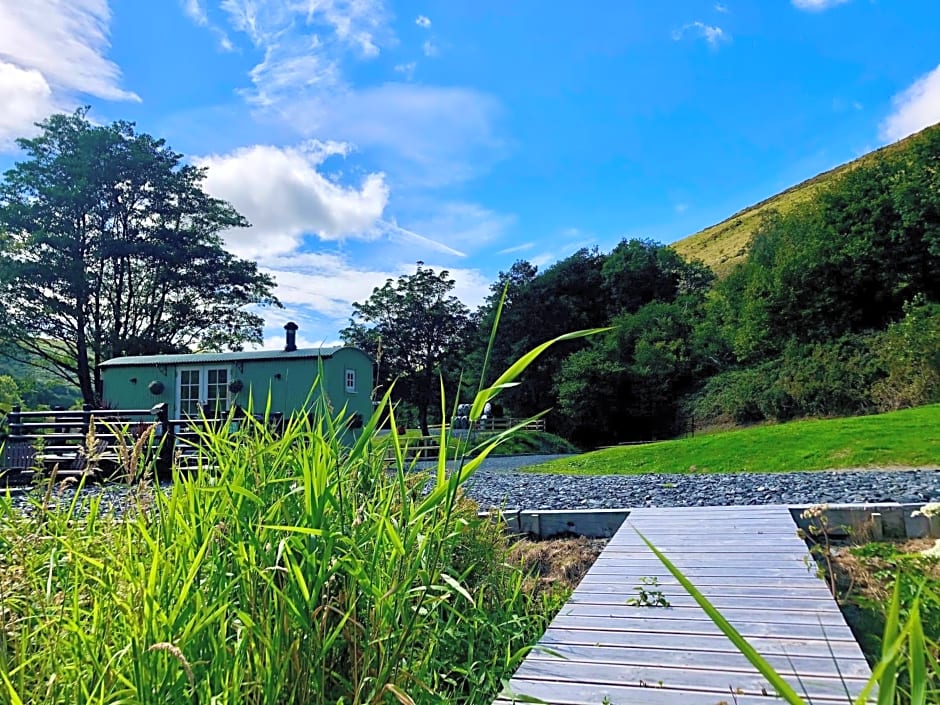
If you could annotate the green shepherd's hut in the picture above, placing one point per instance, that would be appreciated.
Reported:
(215, 382)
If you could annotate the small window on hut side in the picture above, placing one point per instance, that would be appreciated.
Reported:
(350, 380)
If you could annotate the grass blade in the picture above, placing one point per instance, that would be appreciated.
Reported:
(519, 366)
(766, 670)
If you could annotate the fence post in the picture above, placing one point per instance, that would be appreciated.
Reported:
(86, 419)
(14, 420)
(167, 438)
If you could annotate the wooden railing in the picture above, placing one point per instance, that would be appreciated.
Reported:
(498, 424)
(40, 440)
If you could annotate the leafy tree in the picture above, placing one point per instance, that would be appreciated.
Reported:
(626, 385)
(845, 262)
(110, 246)
(9, 393)
(411, 326)
(565, 297)
(639, 271)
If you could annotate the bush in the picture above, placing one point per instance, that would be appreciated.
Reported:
(821, 379)
(909, 352)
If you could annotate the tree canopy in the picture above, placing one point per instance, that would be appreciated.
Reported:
(109, 246)
(411, 326)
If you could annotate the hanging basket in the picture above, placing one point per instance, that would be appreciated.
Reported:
(235, 386)
(156, 387)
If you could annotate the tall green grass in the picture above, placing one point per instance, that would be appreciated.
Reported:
(289, 568)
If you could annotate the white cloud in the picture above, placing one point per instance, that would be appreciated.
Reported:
(51, 52)
(284, 196)
(283, 76)
(426, 135)
(329, 291)
(423, 22)
(430, 48)
(816, 5)
(407, 70)
(287, 24)
(410, 237)
(196, 11)
(916, 107)
(318, 291)
(26, 98)
(465, 225)
(429, 135)
(516, 248)
(711, 34)
(721, 8)
(682, 207)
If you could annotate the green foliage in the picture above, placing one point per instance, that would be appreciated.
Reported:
(567, 296)
(627, 384)
(36, 387)
(411, 327)
(530, 442)
(112, 247)
(832, 378)
(846, 261)
(9, 393)
(909, 352)
(726, 244)
(296, 570)
(905, 438)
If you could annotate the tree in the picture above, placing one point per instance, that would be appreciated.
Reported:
(109, 246)
(411, 326)
(565, 297)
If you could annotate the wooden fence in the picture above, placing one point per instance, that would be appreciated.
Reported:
(497, 424)
(40, 440)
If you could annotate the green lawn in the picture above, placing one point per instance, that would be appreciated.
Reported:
(908, 438)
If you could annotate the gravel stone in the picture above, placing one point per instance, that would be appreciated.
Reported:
(499, 484)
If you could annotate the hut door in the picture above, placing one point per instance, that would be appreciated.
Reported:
(202, 385)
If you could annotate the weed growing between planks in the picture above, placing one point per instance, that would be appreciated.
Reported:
(286, 568)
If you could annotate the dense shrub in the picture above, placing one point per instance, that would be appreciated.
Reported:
(909, 352)
(822, 379)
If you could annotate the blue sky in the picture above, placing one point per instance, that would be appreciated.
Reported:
(359, 136)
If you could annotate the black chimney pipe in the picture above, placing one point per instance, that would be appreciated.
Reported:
(291, 329)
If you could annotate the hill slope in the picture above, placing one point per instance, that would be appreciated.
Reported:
(723, 245)
(905, 438)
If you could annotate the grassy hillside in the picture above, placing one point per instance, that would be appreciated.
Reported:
(908, 438)
(723, 245)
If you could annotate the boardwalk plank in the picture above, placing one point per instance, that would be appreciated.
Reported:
(684, 678)
(715, 660)
(698, 624)
(750, 563)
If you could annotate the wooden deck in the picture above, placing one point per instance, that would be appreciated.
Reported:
(750, 564)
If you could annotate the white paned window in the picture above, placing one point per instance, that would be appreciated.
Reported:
(202, 385)
(350, 380)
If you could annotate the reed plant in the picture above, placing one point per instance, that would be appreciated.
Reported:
(296, 567)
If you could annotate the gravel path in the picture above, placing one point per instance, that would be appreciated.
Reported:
(497, 483)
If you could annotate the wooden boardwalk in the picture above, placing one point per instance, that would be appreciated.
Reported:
(750, 564)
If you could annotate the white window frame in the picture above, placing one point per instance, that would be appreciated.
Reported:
(350, 374)
(203, 371)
